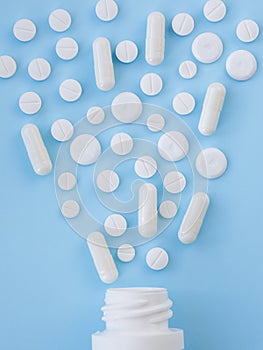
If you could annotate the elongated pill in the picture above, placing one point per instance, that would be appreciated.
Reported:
(36, 149)
(147, 213)
(194, 218)
(155, 38)
(102, 257)
(103, 66)
(212, 107)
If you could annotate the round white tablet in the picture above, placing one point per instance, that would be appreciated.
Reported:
(108, 181)
(7, 66)
(85, 149)
(30, 102)
(39, 69)
(151, 84)
(115, 225)
(168, 209)
(155, 122)
(145, 167)
(67, 48)
(24, 30)
(126, 253)
(247, 31)
(70, 209)
(184, 103)
(214, 10)
(59, 20)
(188, 69)
(126, 51)
(211, 163)
(174, 182)
(173, 146)
(106, 10)
(207, 47)
(157, 259)
(70, 90)
(126, 107)
(121, 143)
(183, 24)
(241, 65)
(62, 130)
(67, 181)
(96, 115)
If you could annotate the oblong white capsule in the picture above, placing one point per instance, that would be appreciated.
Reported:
(36, 149)
(102, 257)
(103, 66)
(147, 213)
(155, 38)
(212, 107)
(194, 218)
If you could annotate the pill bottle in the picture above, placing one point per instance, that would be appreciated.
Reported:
(137, 319)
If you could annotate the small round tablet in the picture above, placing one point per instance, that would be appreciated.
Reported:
(174, 182)
(96, 115)
(188, 69)
(241, 65)
(59, 20)
(155, 122)
(62, 130)
(151, 84)
(214, 10)
(85, 149)
(184, 103)
(207, 48)
(67, 181)
(168, 209)
(106, 10)
(108, 181)
(145, 167)
(157, 259)
(70, 90)
(115, 225)
(173, 146)
(39, 69)
(126, 107)
(67, 48)
(247, 31)
(211, 163)
(126, 253)
(24, 30)
(126, 51)
(183, 24)
(70, 209)
(7, 66)
(30, 102)
(121, 143)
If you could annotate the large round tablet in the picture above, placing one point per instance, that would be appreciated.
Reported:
(85, 149)
(207, 47)
(173, 146)
(211, 163)
(241, 65)
(126, 107)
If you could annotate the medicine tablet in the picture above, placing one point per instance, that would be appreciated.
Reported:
(126, 51)
(145, 167)
(174, 182)
(247, 31)
(7, 67)
(168, 209)
(96, 115)
(188, 69)
(70, 209)
(62, 130)
(147, 212)
(155, 122)
(59, 20)
(30, 103)
(126, 107)
(207, 47)
(67, 48)
(24, 30)
(115, 225)
(122, 144)
(151, 84)
(106, 10)
(241, 65)
(70, 90)
(108, 181)
(214, 10)
(126, 253)
(157, 259)
(211, 163)
(183, 24)
(173, 146)
(85, 149)
(67, 181)
(155, 39)
(184, 103)
(39, 69)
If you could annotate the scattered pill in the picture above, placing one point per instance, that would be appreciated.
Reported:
(126, 253)
(108, 181)
(173, 146)
(151, 84)
(96, 115)
(67, 48)
(247, 31)
(126, 107)
(59, 20)
(184, 103)
(115, 225)
(85, 149)
(241, 65)
(155, 39)
(67, 181)
(168, 209)
(70, 209)
(207, 47)
(126, 51)
(211, 163)
(36, 149)
(106, 10)
(174, 182)
(39, 69)
(147, 212)
(24, 30)
(188, 69)
(214, 10)
(30, 103)
(7, 66)
(193, 218)
(155, 122)
(122, 144)
(145, 167)
(70, 90)
(157, 259)
(183, 24)
(62, 130)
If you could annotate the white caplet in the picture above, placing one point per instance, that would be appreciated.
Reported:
(155, 38)
(147, 213)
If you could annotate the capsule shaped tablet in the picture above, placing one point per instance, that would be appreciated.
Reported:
(155, 38)
(103, 66)
(102, 257)
(212, 107)
(194, 218)
(36, 149)
(147, 213)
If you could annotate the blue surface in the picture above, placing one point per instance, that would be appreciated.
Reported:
(50, 294)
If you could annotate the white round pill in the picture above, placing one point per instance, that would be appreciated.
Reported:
(67, 181)
(70, 90)
(85, 149)
(211, 163)
(126, 107)
(188, 69)
(96, 115)
(145, 167)
(174, 182)
(115, 225)
(126, 51)
(184, 103)
(173, 146)
(168, 209)
(30, 102)
(157, 259)
(7, 66)
(39, 69)
(108, 181)
(59, 20)
(106, 10)
(24, 30)
(126, 253)
(70, 209)
(62, 130)
(155, 122)
(214, 10)
(207, 47)
(67, 48)
(121, 143)
(247, 31)
(183, 24)
(151, 84)
(241, 65)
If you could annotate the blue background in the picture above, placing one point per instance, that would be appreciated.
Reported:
(50, 295)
